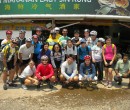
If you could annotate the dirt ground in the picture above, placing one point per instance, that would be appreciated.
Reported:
(116, 98)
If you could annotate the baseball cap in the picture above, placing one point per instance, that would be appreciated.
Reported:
(8, 32)
(86, 30)
(29, 40)
(22, 31)
(101, 40)
(38, 29)
(35, 36)
(53, 31)
(14, 41)
(87, 57)
(57, 29)
(44, 57)
(76, 31)
(93, 33)
(83, 41)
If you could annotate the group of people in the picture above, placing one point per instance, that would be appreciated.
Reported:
(60, 58)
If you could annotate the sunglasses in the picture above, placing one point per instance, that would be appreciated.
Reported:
(14, 43)
(44, 60)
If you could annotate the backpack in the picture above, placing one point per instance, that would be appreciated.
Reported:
(87, 49)
(73, 48)
(112, 47)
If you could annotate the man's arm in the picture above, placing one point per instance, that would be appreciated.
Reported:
(51, 72)
(63, 72)
(37, 73)
(74, 71)
(81, 70)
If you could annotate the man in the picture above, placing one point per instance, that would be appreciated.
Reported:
(87, 38)
(76, 39)
(53, 39)
(63, 39)
(94, 38)
(87, 70)
(37, 47)
(10, 57)
(41, 38)
(21, 38)
(7, 40)
(122, 70)
(69, 70)
(97, 58)
(70, 49)
(25, 53)
(83, 50)
(45, 72)
(57, 32)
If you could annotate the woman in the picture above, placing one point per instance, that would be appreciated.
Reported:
(109, 53)
(37, 46)
(44, 51)
(27, 76)
(57, 58)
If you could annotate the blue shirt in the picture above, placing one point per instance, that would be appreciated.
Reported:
(87, 70)
(82, 52)
(37, 47)
(47, 53)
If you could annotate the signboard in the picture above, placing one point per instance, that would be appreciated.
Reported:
(93, 7)
(19, 26)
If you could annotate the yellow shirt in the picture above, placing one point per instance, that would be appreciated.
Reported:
(53, 41)
(8, 51)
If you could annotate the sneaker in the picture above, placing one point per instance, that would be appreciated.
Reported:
(119, 83)
(106, 83)
(129, 86)
(110, 85)
(12, 85)
(24, 87)
(64, 85)
(5, 87)
(50, 85)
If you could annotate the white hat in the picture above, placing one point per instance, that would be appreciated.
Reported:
(101, 39)
(29, 39)
(93, 33)
(86, 30)
(57, 29)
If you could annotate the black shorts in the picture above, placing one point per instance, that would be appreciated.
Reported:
(10, 65)
(57, 63)
(22, 80)
(25, 62)
(109, 66)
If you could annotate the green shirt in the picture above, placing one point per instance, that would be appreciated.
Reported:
(63, 40)
(122, 67)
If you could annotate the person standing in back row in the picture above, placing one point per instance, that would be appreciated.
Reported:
(63, 39)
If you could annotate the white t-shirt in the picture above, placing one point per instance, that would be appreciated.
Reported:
(97, 53)
(26, 51)
(28, 72)
(68, 70)
(72, 50)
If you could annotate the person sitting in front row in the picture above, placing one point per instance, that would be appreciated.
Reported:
(27, 76)
(45, 72)
(69, 71)
(87, 70)
(122, 70)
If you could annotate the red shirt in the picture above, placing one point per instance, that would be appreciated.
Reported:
(44, 70)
